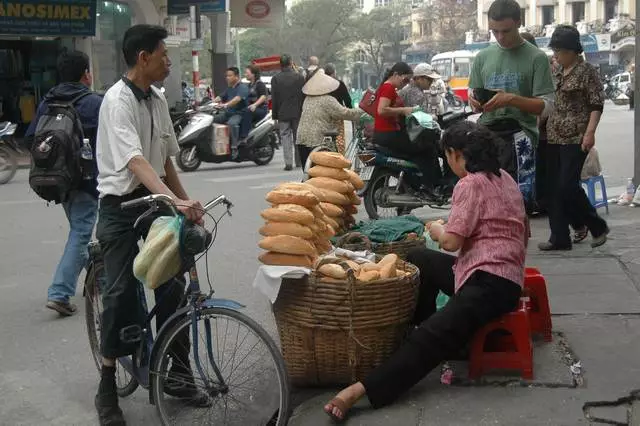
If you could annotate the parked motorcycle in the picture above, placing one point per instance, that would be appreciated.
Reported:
(394, 181)
(201, 141)
(8, 152)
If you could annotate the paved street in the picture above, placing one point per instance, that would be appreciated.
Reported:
(47, 375)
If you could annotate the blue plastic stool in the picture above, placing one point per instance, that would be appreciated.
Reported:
(590, 185)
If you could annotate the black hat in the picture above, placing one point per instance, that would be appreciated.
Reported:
(566, 37)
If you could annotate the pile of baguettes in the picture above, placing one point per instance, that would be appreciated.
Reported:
(304, 216)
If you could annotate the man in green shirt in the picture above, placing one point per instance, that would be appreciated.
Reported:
(520, 74)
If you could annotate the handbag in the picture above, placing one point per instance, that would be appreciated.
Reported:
(368, 102)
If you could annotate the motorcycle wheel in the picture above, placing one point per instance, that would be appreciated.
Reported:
(383, 180)
(8, 165)
(183, 160)
(264, 154)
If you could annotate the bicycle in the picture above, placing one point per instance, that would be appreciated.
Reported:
(149, 365)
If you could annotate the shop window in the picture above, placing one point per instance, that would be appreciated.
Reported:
(578, 12)
(548, 15)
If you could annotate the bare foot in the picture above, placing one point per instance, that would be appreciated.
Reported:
(344, 400)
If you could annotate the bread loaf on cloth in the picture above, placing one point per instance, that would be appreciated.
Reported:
(340, 186)
(323, 245)
(288, 213)
(328, 172)
(271, 229)
(287, 244)
(351, 209)
(355, 180)
(330, 159)
(332, 210)
(300, 197)
(280, 259)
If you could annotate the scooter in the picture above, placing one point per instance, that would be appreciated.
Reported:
(201, 140)
(455, 102)
(8, 152)
(394, 181)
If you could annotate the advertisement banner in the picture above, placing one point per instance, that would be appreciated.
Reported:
(257, 13)
(181, 7)
(48, 17)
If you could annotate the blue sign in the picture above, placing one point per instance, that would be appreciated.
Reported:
(48, 17)
(181, 7)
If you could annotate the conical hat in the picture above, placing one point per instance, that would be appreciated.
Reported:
(320, 84)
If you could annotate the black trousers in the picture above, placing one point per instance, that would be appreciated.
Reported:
(568, 202)
(304, 152)
(542, 187)
(442, 334)
(121, 296)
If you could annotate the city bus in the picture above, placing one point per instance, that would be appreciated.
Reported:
(455, 67)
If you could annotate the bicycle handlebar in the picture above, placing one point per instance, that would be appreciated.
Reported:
(168, 201)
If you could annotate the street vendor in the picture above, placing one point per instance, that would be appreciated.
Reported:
(488, 225)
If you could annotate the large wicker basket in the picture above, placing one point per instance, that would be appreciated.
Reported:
(335, 333)
(356, 241)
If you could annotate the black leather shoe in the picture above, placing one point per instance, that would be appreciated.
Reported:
(109, 412)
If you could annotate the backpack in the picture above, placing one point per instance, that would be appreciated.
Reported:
(57, 165)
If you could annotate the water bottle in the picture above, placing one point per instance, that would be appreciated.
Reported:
(86, 152)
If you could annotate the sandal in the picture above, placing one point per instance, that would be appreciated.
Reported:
(340, 405)
(580, 234)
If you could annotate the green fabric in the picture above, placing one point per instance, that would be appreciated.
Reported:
(523, 70)
(441, 300)
(425, 120)
(389, 230)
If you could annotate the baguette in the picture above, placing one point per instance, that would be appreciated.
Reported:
(299, 187)
(355, 180)
(292, 196)
(279, 259)
(288, 213)
(271, 229)
(331, 210)
(388, 271)
(333, 271)
(351, 209)
(368, 276)
(330, 159)
(334, 197)
(328, 172)
(341, 186)
(288, 245)
(390, 259)
(353, 197)
(323, 245)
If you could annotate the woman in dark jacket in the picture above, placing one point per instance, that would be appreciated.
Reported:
(257, 100)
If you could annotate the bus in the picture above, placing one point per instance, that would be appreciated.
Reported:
(455, 68)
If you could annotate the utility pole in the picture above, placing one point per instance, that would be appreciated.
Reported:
(636, 110)
(196, 39)
(237, 49)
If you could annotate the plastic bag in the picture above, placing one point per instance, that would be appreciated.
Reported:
(591, 165)
(159, 258)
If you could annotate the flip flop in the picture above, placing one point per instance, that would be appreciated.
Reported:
(580, 235)
(341, 405)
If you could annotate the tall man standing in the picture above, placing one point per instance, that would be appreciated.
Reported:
(135, 142)
(520, 74)
(286, 99)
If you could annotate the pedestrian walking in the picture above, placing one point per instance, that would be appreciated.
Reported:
(81, 205)
(571, 130)
(286, 99)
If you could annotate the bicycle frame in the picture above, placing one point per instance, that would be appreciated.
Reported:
(195, 299)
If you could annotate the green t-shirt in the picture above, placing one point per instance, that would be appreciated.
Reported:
(523, 70)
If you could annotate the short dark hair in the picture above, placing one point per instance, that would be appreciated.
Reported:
(234, 70)
(255, 70)
(504, 9)
(478, 144)
(285, 60)
(141, 38)
(72, 66)
(330, 69)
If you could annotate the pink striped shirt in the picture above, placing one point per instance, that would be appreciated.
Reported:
(488, 211)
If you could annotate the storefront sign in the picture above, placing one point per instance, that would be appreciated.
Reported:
(48, 17)
(625, 36)
(181, 7)
(257, 13)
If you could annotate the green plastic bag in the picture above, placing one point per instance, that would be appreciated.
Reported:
(159, 258)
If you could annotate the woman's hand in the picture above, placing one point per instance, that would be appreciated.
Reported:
(407, 110)
(436, 230)
(252, 107)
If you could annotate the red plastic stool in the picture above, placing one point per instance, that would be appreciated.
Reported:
(535, 288)
(519, 356)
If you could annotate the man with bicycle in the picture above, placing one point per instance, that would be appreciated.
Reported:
(134, 145)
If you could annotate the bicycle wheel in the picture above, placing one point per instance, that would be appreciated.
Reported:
(125, 382)
(244, 387)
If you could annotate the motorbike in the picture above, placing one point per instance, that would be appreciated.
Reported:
(393, 181)
(201, 140)
(9, 151)
(454, 101)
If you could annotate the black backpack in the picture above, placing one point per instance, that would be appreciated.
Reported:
(57, 165)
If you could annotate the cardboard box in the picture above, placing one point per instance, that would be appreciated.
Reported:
(221, 138)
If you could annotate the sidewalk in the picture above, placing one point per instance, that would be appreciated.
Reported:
(595, 301)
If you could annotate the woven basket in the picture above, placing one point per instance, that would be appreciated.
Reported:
(335, 332)
(356, 241)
